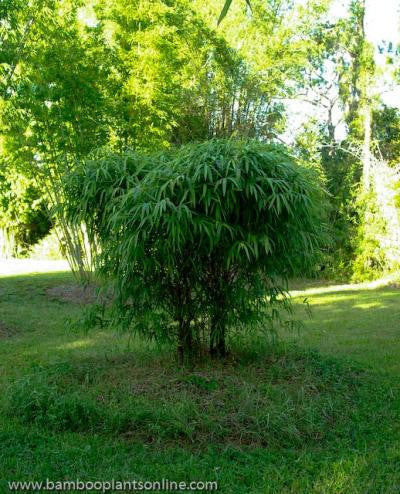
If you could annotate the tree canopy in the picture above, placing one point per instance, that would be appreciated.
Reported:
(77, 77)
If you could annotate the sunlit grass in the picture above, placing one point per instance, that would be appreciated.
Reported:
(10, 267)
(360, 323)
(319, 287)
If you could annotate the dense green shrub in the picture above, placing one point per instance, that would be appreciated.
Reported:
(343, 173)
(199, 240)
(24, 216)
(370, 259)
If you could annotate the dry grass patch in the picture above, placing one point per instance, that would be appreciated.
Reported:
(73, 293)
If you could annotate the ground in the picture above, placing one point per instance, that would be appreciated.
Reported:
(316, 412)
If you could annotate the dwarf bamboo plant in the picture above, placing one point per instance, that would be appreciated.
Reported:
(198, 241)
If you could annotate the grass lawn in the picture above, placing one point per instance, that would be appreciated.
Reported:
(318, 413)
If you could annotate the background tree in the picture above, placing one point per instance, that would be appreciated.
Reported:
(385, 133)
(24, 218)
(147, 77)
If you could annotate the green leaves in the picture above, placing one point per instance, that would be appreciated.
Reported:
(226, 8)
(199, 233)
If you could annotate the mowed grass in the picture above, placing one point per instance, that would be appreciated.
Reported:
(358, 322)
(316, 413)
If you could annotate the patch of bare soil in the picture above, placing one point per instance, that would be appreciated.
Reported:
(395, 284)
(77, 294)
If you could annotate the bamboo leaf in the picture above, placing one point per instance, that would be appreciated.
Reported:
(224, 11)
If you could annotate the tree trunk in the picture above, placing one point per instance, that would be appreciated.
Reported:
(185, 341)
(366, 155)
(217, 337)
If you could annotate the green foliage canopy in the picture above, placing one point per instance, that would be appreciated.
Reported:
(199, 240)
(24, 218)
